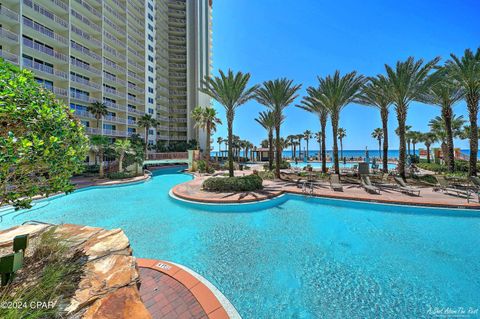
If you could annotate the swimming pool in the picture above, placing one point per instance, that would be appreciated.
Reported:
(294, 257)
(318, 165)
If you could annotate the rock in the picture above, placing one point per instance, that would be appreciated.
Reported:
(7, 235)
(106, 242)
(123, 303)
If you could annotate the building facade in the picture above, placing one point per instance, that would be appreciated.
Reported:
(135, 56)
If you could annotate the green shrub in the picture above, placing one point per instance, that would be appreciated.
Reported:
(267, 175)
(438, 168)
(91, 169)
(233, 184)
(283, 165)
(118, 175)
(202, 167)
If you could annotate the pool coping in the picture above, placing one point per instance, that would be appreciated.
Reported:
(213, 302)
(176, 194)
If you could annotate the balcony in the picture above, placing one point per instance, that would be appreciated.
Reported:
(177, 31)
(9, 56)
(132, 122)
(44, 31)
(92, 130)
(177, 39)
(81, 97)
(113, 79)
(115, 14)
(178, 120)
(132, 110)
(135, 64)
(132, 51)
(139, 134)
(114, 132)
(175, 47)
(44, 68)
(86, 36)
(135, 100)
(46, 13)
(113, 53)
(85, 51)
(8, 35)
(118, 4)
(135, 76)
(178, 111)
(114, 92)
(114, 106)
(135, 88)
(60, 92)
(136, 42)
(114, 66)
(92, 70)
(114, 40)
(89, 8)
(176, 13)
(86, 21)
(178, 129)
(44, 50)
(5, 12)
(84, 82)
(86, 114)
(115, 27)
(114, 119)
(133, 30)
(180, 66)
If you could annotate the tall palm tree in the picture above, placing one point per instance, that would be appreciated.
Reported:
(415, 137)
(99, 110)
(208, 122)
(197, 117)
(267, 121)
(98, 145)
(465, 71)
(291, 143)
(307, 135)
(437, 126)
(336, 92)
(376, 93)
(236, 146)
(428, 139)
(342, 133)
(313, 104)
(277, 95)
(147, 121)
(122, 147)
(231, 91)
(407, 82)
(299, 138)
(378, 135)
(445, 93)
(318, 138)
(408, 138)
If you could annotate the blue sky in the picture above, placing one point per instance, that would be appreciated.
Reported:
(305, 38)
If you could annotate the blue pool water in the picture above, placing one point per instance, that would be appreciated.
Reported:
(293, 257)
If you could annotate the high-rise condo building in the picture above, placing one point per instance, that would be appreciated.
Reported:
(137, 56)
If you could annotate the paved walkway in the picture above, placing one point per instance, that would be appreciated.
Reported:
(191, 190)
(81, 182)
(169, 291)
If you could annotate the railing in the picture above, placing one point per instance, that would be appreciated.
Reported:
(86, 36)
(179, 39)
(135, 76)
(114, 12)
(113, 38)
(81, 97)
(46, 13)
(132, 110)
(84, 66)
(60, 91)
(135, 100)
(178, 65)
(114, 65)
(93, 130)
(113, 52)
(164, 156)
(114, 92)
(84, 113)
(43, 30)
(114, 26)
(113, 79)
(44, 68)
(135, 64)
(86, 51)
(89, 8)
(83, 81)
(4, 33)
(178, 129)
(9, 56)
(114, 119)
(135, 53)
(5, 12)
(85, 20)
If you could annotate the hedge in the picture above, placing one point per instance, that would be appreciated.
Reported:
(233, 184)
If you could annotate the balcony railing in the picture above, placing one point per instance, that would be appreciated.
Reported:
(114, 105)
(172, 155)
(114, 92)
(43, 49)
(113, 52)
(44, 68)
(135, 76)
(115, 13)
(89, 8)
(9, 56)
(84, 114)
(86, 51)
(41, 29)
(7, 34)
(178, 65)
(93, 130)
(114, 26)
(83, 81)
(135, 53)
(81, 97)
(46, 13)
(132, 110)
(134, 30)
(115, 119)
(85, 35)
(84, 66)
(60, 91)
(178, 111)
(113, 38)
(135, 64)
(178, 120)
(114, 65)
(114, 132)
(113, 79)
(5, 12)
(85, 20)
(178, 129)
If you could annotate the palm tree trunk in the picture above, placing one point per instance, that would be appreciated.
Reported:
(230, 151)
(401, 117)
(324, 147)
(428, 153)
(335, 145)
(472, 104)
(98, 121)
(120, 163)
(449, 157)
(101, 170)
(207, 151)
(307, 150)
(278, 150)
(319, 148)
(380, 147)
(341, 148)
(270, 150)
(146, 142)
(300, 148)
(384, 115)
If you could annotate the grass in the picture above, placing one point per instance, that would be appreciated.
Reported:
(51, 274)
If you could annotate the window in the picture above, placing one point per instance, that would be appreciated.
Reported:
(150, 68)
(150, 111)
(85, 123)
(150, 100)
(150, 17)
(150, 27)
(150, 37)
(109, 127)
(150, 90)
(150, 6)
(45, 83)
(150, 132)
(111, 113)
(150, 79)
(150, 58)
(150, 48)
(132, 130)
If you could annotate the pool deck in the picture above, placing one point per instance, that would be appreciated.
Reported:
(82, 182)
(192, 191)
(172, 291)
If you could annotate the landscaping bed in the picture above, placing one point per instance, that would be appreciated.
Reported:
(233, 184)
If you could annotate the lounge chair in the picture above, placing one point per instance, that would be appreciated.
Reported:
(403, 187)
(367, 185)
(446, 188)
(476, 185)
(335, 183)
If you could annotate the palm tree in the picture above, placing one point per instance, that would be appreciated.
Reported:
(99, 110)
(465, 71)
(378, 135)
(407, 82)
(98, 145)
(208, 122)
(428, 139)
(231, 91)
(122, 147)
(408, 138)
(437, 126)
(318, 138)
(376, 94)
(342, 133)
(267, 121)
(445, 93)
(415, 137)
(277, 95)
(236, 146)
(307, 135)
(197, 116)
(336, 92)
(291, 143)
(147, 121)
(313, 104)
(299, 137)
